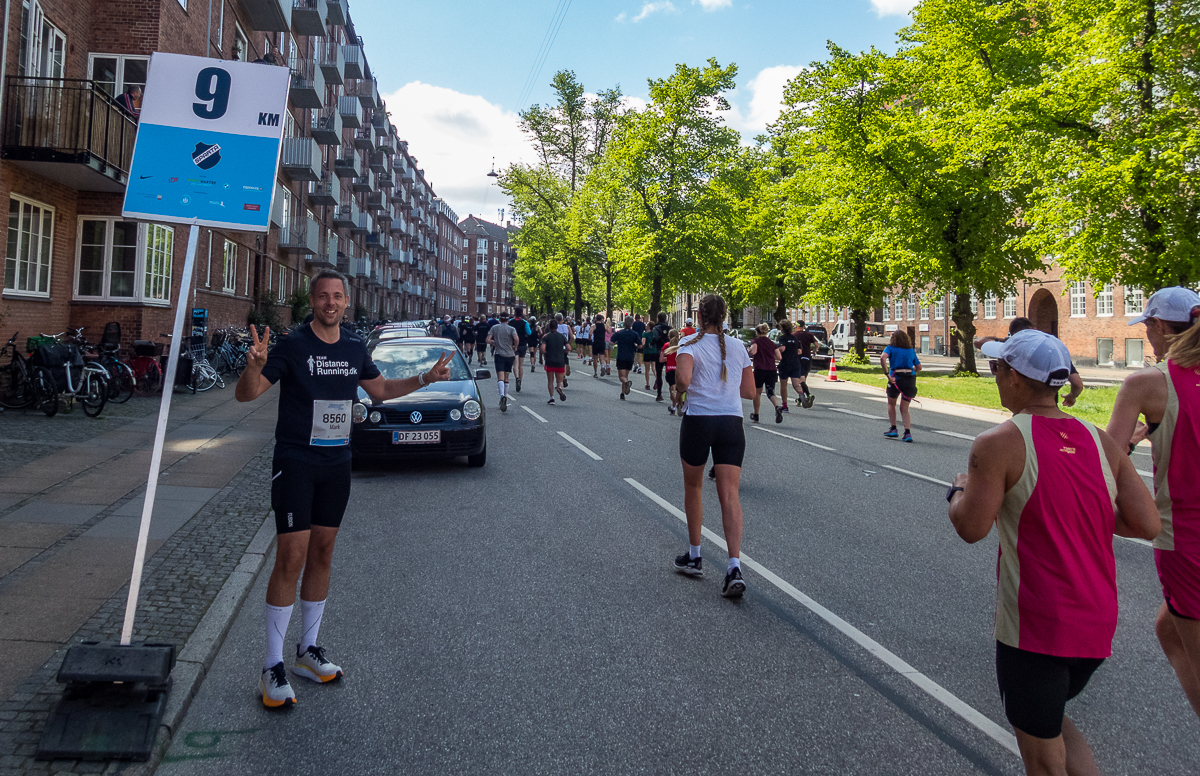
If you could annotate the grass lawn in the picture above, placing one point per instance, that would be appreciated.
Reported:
(1095, 404)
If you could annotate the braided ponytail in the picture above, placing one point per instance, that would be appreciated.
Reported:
(712, 312)
(724, 369)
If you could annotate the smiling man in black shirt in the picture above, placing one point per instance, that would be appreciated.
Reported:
(319, 369)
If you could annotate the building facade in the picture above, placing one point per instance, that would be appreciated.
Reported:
(489, 271)
(348, 195)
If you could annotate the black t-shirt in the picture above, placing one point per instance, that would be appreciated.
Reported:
(534, 336)
(807, 340)
(466, 331)
(626, 341)
(639, 326)
(790, 345)
(309, 370)
(522, 328)
(481, 331)
(556, 348)
(598, 335)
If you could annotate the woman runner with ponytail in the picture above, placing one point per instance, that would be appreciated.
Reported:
(715, 372)
(1167, 395)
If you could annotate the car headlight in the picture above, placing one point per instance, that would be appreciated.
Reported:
(455, 414)
(472, 410)
(358, 413)
(375, 416)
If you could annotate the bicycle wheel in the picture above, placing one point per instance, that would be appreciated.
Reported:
(122, 376)
(203, 377)
(15, 389)
(149, 379)
(94, 394)
(45, 391)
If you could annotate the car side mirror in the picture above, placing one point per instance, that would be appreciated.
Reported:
(483, 374)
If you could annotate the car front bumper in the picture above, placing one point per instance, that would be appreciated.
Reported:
(375, 442)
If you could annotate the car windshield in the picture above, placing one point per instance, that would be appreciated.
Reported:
(397, 360)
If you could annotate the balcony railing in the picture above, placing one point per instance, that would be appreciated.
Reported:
(347, 164)
(353, 58)
(308, 17)
(269, 15)
(308, 83)
(336, 12)
(346, 216)
(326, 191)
(300, 236)
(352, 112)
(326, 126)
(71, 122)
(300, 158)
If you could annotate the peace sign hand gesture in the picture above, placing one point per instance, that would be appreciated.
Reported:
(256, 356)
(440, 370)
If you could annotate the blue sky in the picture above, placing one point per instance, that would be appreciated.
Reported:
(454, 71)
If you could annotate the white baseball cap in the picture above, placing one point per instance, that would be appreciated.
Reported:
(1035, 354)
(688, 321)
(1174, 304)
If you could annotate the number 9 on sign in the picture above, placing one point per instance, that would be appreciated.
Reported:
(212, 87)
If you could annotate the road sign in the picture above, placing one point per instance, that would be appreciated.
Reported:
(208, 142)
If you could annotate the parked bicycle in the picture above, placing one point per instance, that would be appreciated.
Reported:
(120, 376)
(228, 353)
(23, 384)
(76, 379)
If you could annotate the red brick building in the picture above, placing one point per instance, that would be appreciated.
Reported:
(489, 271)
(349, 194)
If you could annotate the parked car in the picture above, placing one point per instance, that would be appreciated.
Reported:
(874, 338)
(821, 352)
(392, 331)
(441, 420)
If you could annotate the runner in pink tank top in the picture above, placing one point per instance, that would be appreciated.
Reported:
(1057, 488)
(1167, 395)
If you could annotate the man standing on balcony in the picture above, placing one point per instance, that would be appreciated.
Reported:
(131, 102)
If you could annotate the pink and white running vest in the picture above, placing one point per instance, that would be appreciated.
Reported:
(1056, 576)
(1175, 447)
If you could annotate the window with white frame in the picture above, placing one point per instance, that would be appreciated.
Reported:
(887, 307)
(114, 73)
(30, 241)
(989, 305)
(241, 44)
(107, 259)
(281, 289)
(1010, 306)
(912, 307)
(1078, 294)
(974, 305)
(1135, 301)
(924, 312)
(939, 309)
(1104, 301)
(899, 308)
(230, 273)
(43, 46)
(221, 27)
(159, 251)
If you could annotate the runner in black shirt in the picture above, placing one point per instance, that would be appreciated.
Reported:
(319, 370)
(797, 347)
(535, 339)
(519, 323)
(481, 331)
(466, 334)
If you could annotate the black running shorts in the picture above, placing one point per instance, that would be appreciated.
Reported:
(522, 351)
(305, 494)
(598, 350)
(905, 384)
(504, 363)
(764, 377)
(670, 377)
(724, 435)
(1035, 688)
(623, 365)
(789, 370)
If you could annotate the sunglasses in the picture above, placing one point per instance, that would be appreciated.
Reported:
(994, 364)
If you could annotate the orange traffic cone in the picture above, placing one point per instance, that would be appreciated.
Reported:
(832, 377)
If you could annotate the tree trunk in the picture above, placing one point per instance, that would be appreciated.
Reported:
(656, 297)
(964, 324)
(780, 308)
(859, 316)
(608, 289)
(578, 290)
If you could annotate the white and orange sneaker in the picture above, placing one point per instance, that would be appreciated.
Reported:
(311, 664)
(276, 690)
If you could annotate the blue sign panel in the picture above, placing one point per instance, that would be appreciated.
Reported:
(208, 143)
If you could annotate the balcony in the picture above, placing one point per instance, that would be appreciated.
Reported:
(399, 256)
(300, 158)
(395, 285)
(347, 164)
(387, 142)
(361, 89)
(364, 182)
(373, 242)
(383, 218)
(326, 191)
(308, 17)
(326, 126)
(336, 13)
(346, 216)
(68, 131)
(352, 57)
(364, 138)
(378, 161)
(326, 256)
(351, 112)
(481, 299)
(363, 224)
(384, 181)
(300, 236)
(269, 15)
(308, 83)
(331, 62)
(361, 267)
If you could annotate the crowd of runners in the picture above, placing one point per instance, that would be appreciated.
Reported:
(1056, 487)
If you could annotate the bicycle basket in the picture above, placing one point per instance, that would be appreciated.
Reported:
(145, 348)
(33, 343)
(56, 356)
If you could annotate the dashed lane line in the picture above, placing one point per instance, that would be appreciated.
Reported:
(855, 413)
(578, 444)
(954, 434)
(918, 476)
(795, 439)
(893, 661)
(531, 412)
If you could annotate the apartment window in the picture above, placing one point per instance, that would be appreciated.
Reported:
(159, 252)
(1135, 301)
(939, 309)
(974, 305)
(1078, 295)
(107, 259)
(899, 308)
(114, 73)
(280, 290)
(1010, 306)
(887, 307)
(464, 307)
(241, 44)
(1104, 301)
(1135, 354)
(231, 252)
(1104, 351)
(482, 245)
(912, 307)
(924, 312)
(464, 274)
(30, 239)
(989, 305)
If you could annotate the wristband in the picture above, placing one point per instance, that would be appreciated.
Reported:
(421, 378)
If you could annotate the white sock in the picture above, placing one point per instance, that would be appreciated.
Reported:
(277, 618)
(500, 385)
(693, 550)
(734, 563)
(311, 612)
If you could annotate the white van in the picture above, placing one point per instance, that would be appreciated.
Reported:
(874, 338)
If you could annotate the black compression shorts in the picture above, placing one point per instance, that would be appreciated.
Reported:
(671, 377)
(764, 377)
(724, 435)
(305, 494)
(906, 384)
(504, 363)
(597, 350)
(1035, 688)
(623, 365)
(522, 351)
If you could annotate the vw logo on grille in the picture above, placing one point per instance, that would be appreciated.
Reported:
(415, 417)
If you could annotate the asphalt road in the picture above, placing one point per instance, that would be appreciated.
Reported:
(523, 618)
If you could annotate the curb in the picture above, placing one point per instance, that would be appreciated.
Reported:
(198, 654)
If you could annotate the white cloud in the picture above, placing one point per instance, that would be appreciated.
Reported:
(659, 6)
(454, 137)
(893, 7)
(765, 99)
(622, 16)
(712, 5)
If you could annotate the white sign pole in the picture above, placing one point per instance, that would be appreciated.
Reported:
(160, 434)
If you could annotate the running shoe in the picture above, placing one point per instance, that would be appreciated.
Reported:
(891, 433)
(779, 414)
(564, 382)
(753, 418)
(311, 664)
(595, 374)
(671, 409)
(686, 564)
(532, 369)
(658, 398)
(809, 401)
(626, 387)
(562, 395)
(504, 404)
(622, 397)
(518, 385)
(785, 409)
(276, 690)
(907, 436)
(735, 586)
(551, 400)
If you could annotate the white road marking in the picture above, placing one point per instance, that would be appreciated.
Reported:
(796, 439)
(893, 661)
(852, 412)
(954, 434)
(918, 476)
(531, 412)
(1144, 474)
(580, 446)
